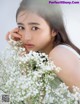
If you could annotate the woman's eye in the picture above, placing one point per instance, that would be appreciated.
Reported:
(34, 28)
(21, 27)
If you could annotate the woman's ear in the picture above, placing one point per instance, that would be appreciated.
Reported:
(53, 33)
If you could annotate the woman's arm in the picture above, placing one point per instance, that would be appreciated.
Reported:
(69, 63)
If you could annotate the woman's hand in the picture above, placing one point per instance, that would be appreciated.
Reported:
(14, 34)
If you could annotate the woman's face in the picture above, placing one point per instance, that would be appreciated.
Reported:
(35, 32)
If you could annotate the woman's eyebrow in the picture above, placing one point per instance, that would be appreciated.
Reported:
(20, 24)
(30, 23)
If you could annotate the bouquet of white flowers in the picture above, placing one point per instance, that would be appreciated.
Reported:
(31, 79)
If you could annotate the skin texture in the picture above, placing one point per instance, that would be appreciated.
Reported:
(36, 35)
(69, 63)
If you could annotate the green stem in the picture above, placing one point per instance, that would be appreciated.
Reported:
(43, 88)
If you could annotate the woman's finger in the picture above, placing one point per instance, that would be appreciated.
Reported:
(15, 36)
(15, 30)
(7, 36)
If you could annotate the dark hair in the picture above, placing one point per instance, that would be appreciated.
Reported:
(53, 16)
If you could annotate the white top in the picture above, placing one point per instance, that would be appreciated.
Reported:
(71, 49)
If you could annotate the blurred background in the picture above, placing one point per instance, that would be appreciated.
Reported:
(8, 9)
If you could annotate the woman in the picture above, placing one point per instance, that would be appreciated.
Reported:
(41, 28)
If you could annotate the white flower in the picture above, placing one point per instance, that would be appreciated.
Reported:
(30, 78)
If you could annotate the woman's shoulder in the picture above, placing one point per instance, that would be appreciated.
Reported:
(65, 57)
(65, 50)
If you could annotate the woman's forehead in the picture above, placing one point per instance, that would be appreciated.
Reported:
(29, 16)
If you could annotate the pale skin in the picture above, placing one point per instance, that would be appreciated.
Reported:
(36, 35)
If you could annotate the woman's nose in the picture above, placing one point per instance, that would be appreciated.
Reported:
(26, 37)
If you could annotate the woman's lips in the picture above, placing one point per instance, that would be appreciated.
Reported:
(29, 45)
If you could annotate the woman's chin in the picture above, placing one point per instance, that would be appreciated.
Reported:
(28, 50)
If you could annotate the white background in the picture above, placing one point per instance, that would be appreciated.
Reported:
(8, 21)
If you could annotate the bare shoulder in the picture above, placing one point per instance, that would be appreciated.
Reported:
(63, 54)
(69, 63)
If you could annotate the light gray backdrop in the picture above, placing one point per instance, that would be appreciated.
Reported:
(7, 20)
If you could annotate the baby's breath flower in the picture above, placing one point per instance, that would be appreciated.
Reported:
(31, 79)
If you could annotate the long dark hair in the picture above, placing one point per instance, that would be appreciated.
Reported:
(52, 13)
